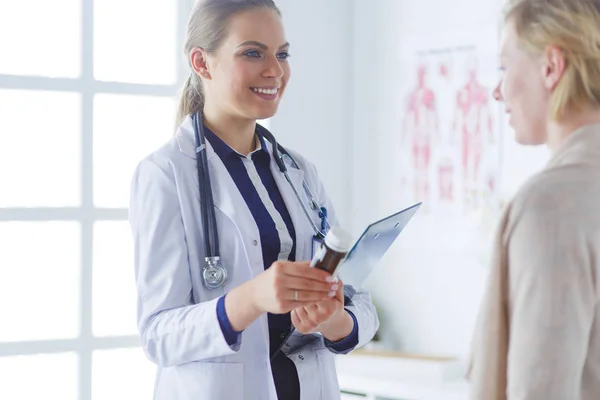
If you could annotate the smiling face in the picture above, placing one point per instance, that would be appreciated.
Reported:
(248, 74)
(523, 90)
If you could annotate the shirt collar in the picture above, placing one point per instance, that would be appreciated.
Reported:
(224, 151)
(262, 151)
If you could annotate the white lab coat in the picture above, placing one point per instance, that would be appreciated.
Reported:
(177, 316)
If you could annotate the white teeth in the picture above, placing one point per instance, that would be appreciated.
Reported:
(266, 91)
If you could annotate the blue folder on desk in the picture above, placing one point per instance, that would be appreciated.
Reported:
(372, 245)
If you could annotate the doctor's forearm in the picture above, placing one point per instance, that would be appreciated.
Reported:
(240, 308)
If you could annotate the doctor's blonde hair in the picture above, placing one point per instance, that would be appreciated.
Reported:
(207, 28)
(574, 27)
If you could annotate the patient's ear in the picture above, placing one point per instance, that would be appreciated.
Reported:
(554, 66)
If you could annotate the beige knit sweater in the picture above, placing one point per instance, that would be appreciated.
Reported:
(538, 332)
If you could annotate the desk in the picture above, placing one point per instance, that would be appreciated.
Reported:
(373, 374)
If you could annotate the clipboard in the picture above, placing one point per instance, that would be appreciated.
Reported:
(372, 245)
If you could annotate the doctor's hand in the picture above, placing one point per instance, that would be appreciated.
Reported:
(286, 285)
(328, 317)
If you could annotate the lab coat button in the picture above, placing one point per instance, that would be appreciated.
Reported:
(255, 242)
(301, 357)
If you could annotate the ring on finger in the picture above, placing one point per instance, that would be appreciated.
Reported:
(295, 295)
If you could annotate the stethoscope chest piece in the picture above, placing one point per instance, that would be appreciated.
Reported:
(214, 273)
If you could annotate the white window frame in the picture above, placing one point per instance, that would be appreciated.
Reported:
(87, 214)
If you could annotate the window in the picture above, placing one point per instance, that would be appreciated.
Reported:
(87, 88)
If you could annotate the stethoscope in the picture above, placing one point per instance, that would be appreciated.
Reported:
(214, 274)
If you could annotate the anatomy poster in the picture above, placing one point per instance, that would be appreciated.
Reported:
(449, 139)
(450, 128)
(448, 134)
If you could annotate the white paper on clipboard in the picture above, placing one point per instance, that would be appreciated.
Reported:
(372, 245)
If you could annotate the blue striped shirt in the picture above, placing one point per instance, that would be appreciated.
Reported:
(253, 178)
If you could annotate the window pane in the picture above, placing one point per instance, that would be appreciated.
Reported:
(40, 37)
(39, 148)
(135, 41)
(39, 280)
(122, 374)
(40, 376)
(114, 311)
(126, 129)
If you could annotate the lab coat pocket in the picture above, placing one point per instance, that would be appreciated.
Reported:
(202, 380)
(330, 388)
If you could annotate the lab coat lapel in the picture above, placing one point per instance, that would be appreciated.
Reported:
(291, 201)
(226, 195)
(227, 198)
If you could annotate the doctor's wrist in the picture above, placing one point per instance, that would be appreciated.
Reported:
(241, 307)
(339, 327)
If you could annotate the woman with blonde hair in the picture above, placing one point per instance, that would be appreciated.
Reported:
(538, 334)
(228, 305)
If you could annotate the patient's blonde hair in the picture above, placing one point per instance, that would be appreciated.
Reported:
(574, 27)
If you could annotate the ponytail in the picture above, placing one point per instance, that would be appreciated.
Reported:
(191, 98)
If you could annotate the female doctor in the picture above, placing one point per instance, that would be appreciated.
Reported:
(234, 311)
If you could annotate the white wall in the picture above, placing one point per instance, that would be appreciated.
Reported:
(429, 286)
(341, 111)
(313, 116)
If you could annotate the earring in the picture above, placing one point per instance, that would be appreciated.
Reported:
(205, 74)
